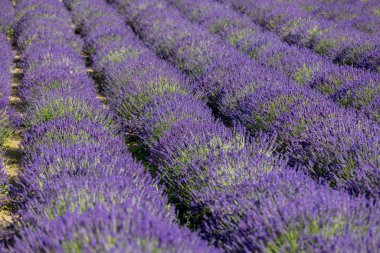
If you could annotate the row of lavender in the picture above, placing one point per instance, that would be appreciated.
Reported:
(328, 142)
(361, 15)
(7, 17)
(6, 61)
(345, 85)
(193, 155)
(236, 194)
(80, 190)
(6, 54)
(338, 43)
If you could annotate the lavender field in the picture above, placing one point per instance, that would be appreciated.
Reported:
(189, 126)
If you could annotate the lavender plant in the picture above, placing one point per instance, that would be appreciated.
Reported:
(76, 166)
(215, 175)
(7, 17)
(295, 25)
(346, 86)
(301, 119)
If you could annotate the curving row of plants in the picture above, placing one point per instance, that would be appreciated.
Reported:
(234, 192)
(361, 15)
(326, 141)
(346, 86)
(6, 59)
(7, 17)
(80, 190)
(6, 62)
(189, 151)
(338, 43)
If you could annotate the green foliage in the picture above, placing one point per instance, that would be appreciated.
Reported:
(134, 103)
(221, 25)
(59, 108)
(236, 36)
(117, 56)
(288, 241)
(274, 22)
(304, 74)
(331, 86)
(377, 11)
(6, 131)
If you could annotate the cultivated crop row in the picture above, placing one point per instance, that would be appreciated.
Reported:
(6, 61)
(326, 141)
(235, 192)
(347, 86)
(338, 43)
(361, 15)
(290, 164)
(81, 190)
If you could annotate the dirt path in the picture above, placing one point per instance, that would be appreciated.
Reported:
(91, 73)
(12, 153)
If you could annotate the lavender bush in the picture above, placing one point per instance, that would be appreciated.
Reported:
(263, 100)
(246, 143)
(6, 59)
(295, 25)
(344, 85)
(218, 178)
(77, 169)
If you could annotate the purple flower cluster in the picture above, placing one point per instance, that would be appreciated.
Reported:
(6, 62)
(347, 86)
(156, 103)
(7, 17)
(325, 140)
(81, 189)
(295, 25)
(6, 59)
(234, 190)
(361, 15)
